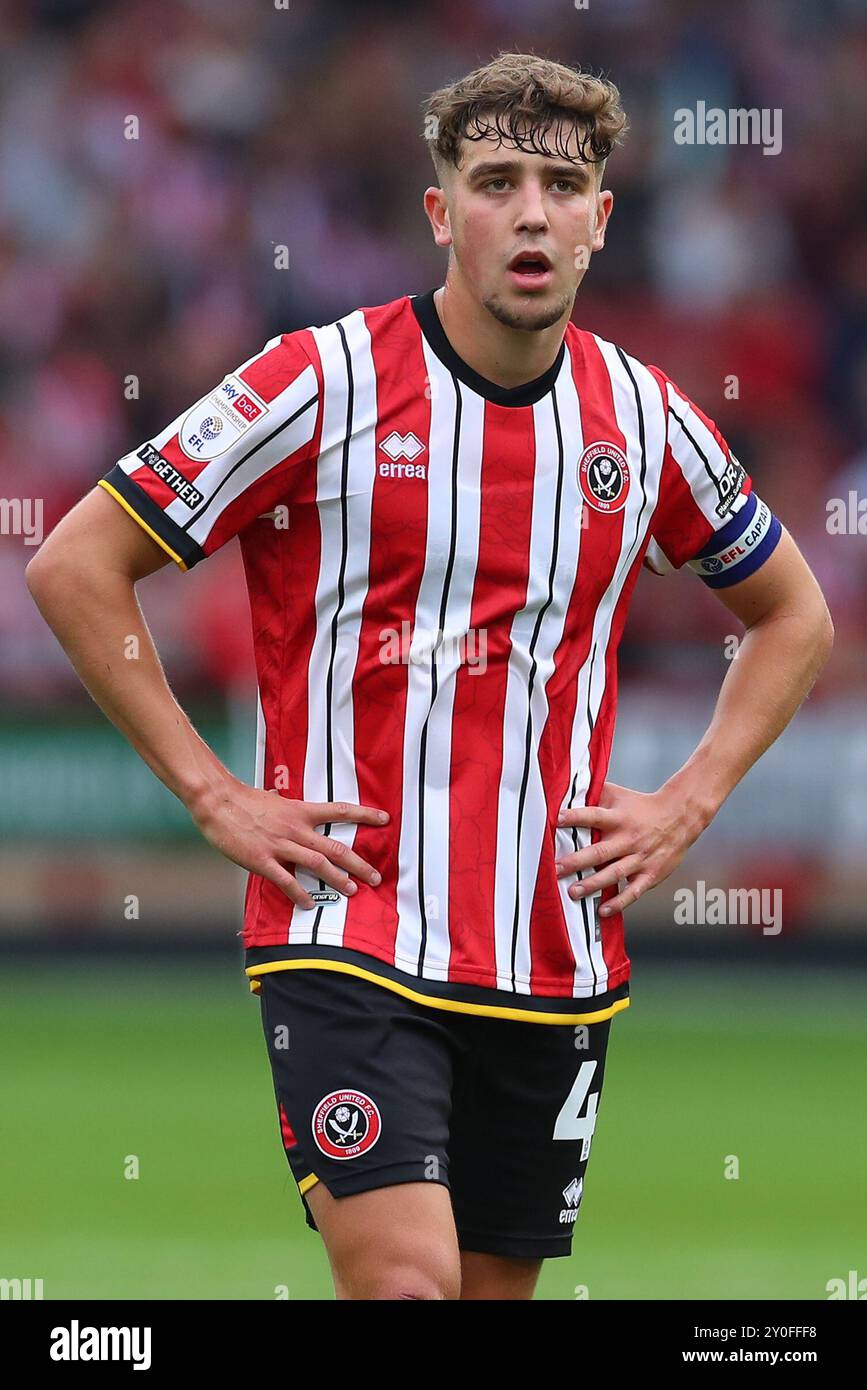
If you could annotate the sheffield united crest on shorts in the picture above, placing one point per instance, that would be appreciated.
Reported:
(603, 475)
(346, 1124)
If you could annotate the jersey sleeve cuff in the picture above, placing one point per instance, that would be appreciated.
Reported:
(168, 535)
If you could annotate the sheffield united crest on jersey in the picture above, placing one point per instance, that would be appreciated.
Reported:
(603, 475)
(346, 1124)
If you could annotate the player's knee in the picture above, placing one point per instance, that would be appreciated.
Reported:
(412, 1281)
(431, 1278)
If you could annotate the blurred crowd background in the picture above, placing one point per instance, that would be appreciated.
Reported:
(743, 275)
(151, 261)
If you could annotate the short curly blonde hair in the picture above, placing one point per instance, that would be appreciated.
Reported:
(520, 97)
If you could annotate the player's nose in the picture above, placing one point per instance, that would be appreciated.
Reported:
(531, 214)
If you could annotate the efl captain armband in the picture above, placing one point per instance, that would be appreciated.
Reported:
(740, 547)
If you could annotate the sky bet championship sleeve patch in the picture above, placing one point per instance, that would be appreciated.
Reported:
(229, 459)
(217, 422)
(740, 547)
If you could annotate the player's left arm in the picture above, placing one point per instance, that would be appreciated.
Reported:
(644, 836)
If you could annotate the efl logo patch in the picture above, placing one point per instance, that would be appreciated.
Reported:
(603, 475)
(346, 1124)
(219, 420)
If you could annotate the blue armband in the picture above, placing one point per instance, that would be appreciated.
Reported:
(740, 547)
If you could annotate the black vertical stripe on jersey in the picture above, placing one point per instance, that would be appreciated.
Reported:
(642, 477)
(591, 725)
(341, 595)
(707, 468)
(555, 550)
(422, 761)
(577, 847)
(199, 513)
(581, 872)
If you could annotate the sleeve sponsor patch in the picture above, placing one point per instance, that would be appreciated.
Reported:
(228, 459)
(730, 485)
(170, 475)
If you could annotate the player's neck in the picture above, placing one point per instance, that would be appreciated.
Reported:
(507, 356)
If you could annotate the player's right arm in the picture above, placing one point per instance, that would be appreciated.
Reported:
(83, 581)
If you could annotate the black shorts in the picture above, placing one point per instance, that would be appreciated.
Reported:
(374, 1089)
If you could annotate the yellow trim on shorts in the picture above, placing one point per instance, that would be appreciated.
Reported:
(143, 524)
(306, 1183)
(457, 1006)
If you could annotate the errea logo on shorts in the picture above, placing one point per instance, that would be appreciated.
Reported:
(572, 1194)
(346, 1124)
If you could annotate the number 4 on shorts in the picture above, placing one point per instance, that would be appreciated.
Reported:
(570, 1123)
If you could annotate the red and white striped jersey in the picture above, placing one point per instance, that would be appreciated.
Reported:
(439, 570)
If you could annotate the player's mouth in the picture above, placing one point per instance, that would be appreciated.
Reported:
(530, 270)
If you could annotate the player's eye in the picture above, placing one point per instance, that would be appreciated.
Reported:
(571, 186)
(491, 182)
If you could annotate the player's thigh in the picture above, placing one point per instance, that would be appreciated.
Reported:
(363, 1080)
(390, 1242)
(522, 1127)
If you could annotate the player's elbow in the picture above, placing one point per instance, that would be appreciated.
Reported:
(816, 633)
(825, 633)
(50, 574)
(814, 622)
(37, 572)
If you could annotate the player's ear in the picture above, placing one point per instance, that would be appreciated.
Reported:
(436, 207)
(604, 205)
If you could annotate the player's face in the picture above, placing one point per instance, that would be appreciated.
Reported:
(505, 203)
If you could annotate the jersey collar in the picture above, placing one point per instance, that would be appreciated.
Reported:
(526, 394)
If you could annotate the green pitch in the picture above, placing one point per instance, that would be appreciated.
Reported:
(103, 1068)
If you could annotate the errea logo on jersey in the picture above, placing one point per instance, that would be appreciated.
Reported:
(217, 421)
(402, 446)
